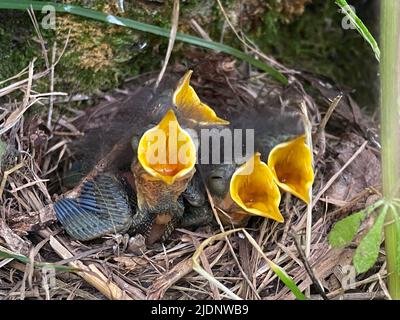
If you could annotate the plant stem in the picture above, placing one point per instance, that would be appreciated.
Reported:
(390, 133)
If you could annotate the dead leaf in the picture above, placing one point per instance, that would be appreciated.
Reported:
(131, 263)
(13, 241)
(363, 172)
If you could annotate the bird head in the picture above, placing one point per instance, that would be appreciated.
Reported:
(166, 158)
(190, 107)
(247, 190)
(253, 189)
(291, 165)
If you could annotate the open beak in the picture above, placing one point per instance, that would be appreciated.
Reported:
(253, 188)
(167, 152)
(291, 166)
(190, 107)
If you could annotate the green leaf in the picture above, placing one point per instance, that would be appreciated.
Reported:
(7, 255)
(129, 23)
(359, 25)
(287, 280)
(345, 230)
(368, 250)
(281, 273)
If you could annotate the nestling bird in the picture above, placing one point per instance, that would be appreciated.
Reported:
(162, 189)
(161, 174)
(106, 205)
(154, 196)
(148, 200)
(281, 160)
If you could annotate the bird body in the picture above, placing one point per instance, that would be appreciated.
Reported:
(159, 194)
(153, 197)
(105, 205)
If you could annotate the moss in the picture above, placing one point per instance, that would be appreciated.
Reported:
(100, 56)
(17, 47)
(96, 56)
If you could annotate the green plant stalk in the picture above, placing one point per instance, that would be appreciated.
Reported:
(390, 131)
(129, 23)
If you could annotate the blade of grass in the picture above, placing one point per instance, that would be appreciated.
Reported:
(360, 26)
(140, 26)
(281, 273)
(91, 273)
(204, 273)
(7, 254)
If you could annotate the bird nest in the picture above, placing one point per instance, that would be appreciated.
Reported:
(39, 260)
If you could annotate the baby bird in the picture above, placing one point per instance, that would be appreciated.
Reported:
(158, 192)
(281, 161)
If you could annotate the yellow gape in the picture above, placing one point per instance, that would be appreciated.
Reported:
(190, 107)
(167, 152)
(253, 188)
(291, 165)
